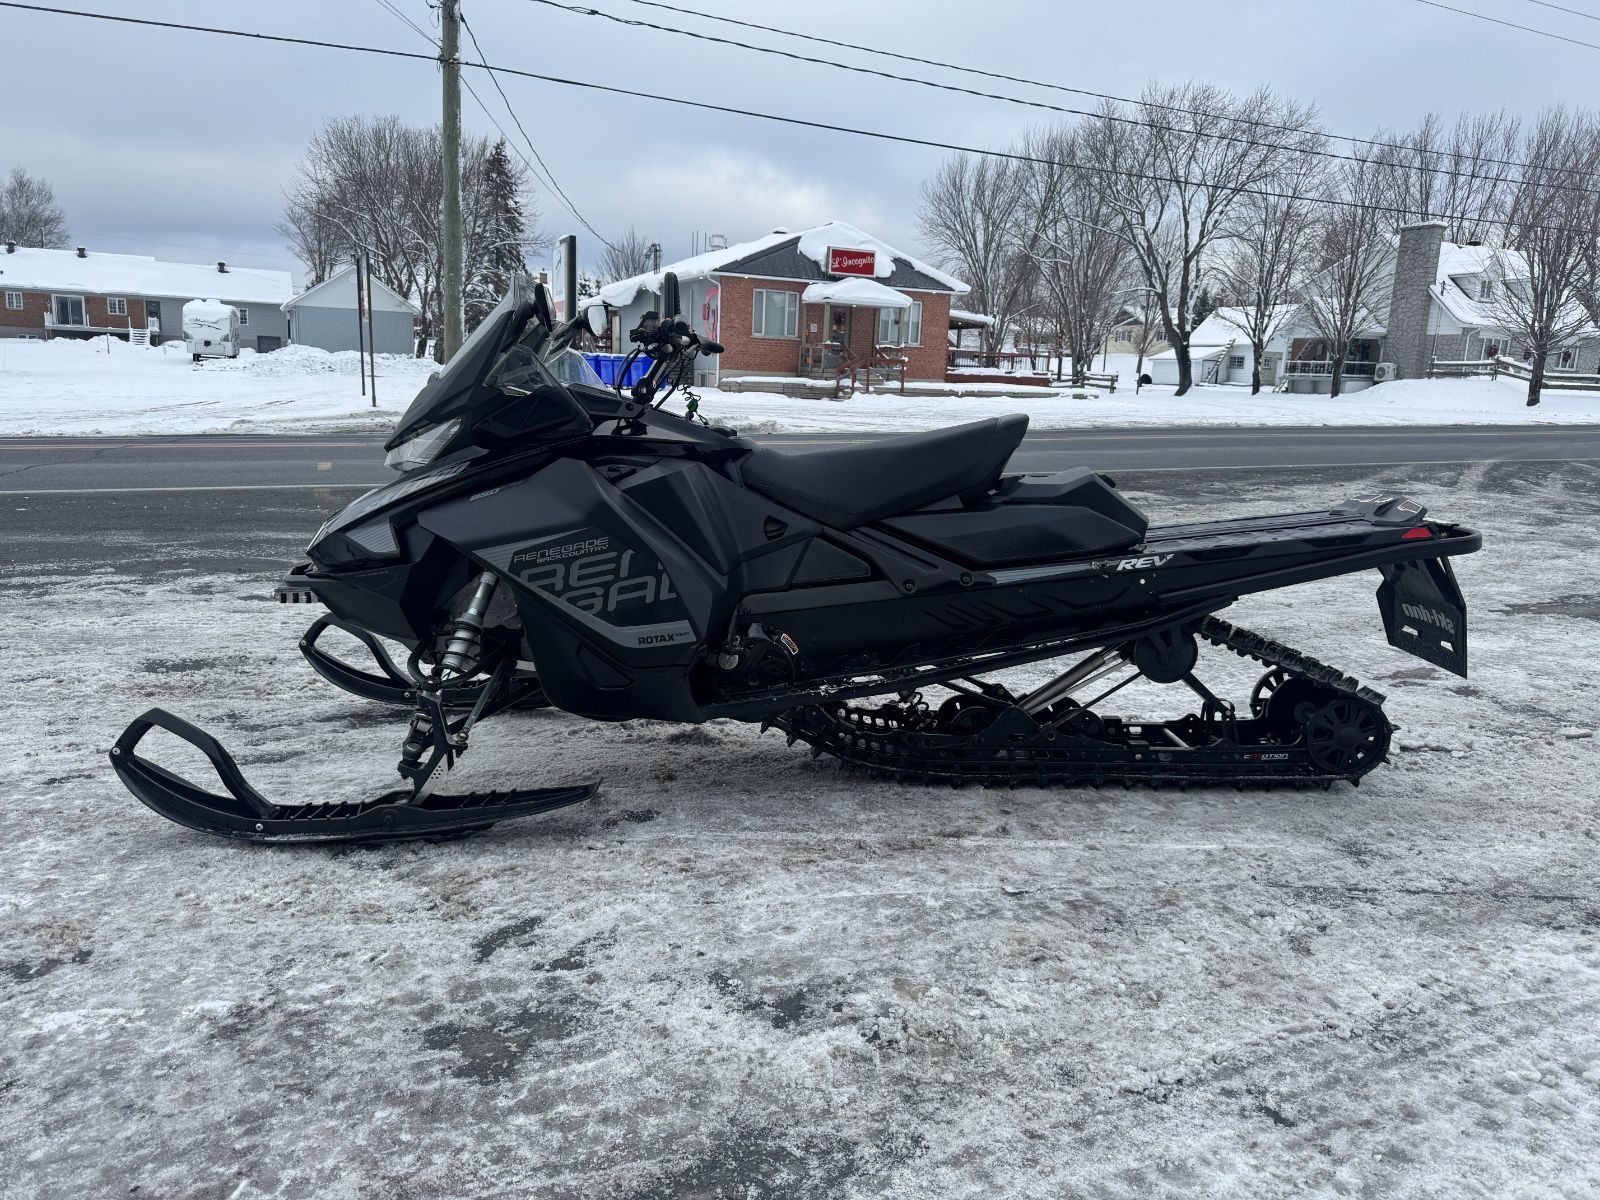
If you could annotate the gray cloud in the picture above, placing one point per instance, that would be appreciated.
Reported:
(179, 144)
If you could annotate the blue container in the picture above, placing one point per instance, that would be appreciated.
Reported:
(608, 365)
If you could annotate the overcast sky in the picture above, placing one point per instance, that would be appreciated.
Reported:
(179, 144)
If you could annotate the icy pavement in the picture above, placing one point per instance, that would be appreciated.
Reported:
(745, 973)
(91, 388)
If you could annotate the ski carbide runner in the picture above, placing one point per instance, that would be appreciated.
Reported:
(876, 741)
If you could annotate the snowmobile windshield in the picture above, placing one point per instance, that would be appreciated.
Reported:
(503, 355)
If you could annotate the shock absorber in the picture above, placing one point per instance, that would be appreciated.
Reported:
(464, 650)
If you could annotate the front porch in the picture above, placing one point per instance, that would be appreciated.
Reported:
(856, 343)
(1309, 369)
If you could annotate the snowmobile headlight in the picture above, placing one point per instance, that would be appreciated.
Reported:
(422, 449)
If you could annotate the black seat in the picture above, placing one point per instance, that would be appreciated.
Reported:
(855, 485)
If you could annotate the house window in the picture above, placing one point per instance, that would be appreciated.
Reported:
(777, 314)
(1491, 349)
(1485, 289)
(1567, 359)
(67, 310)
(244, 314)
(13, 299)
(900, 326)
(1235, 362)
(117, 306)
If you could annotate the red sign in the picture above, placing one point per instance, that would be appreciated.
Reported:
(851, 262)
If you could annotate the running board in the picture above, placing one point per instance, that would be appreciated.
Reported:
(244, 814)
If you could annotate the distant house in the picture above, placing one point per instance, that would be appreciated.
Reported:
(812, 302)
(1220, 350)
(326, 316)
(1436, 304)
(82, 293)
(1133, 326)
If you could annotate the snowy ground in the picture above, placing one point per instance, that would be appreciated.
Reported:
(83, 388)
(107, 387)
(745, 973)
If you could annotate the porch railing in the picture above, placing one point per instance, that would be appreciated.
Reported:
(1324, 367)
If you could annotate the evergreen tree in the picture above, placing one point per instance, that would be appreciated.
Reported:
(503, 236)
(1204, 305)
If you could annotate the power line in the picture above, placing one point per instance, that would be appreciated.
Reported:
(800, 122)
(1512, 24)
(1222, 118)
(1375, 143)
(516, 120)
(547, 180)
(1560, 8)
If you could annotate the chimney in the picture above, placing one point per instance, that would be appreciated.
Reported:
(82, 253)
(1416, 267)
(222, 268)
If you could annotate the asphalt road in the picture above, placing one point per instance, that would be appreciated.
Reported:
(30, 466)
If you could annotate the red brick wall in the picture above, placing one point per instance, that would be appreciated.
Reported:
(781, 356)
(95, 311)
(30, 316)
(928, 360)
(742, 350)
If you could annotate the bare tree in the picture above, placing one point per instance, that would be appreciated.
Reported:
(376, 184)
(1262, 267)
(1456, 174)
(29, 214)
(1082, 263)
(628, 255)
(969, 215)
(1535, 288)
(1340, 301)
(1179, 175)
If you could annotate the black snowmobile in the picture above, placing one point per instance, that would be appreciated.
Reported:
(554, 541)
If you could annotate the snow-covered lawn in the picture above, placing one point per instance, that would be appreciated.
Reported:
(745, 973)
(82, 388)
(72, 387)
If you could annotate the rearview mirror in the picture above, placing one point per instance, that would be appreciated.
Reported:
(599, 319)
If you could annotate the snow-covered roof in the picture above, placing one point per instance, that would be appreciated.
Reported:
(139, 275)
(1226, 325)
(812, 243)
(970, 318)
(855, 293)
(328, 285)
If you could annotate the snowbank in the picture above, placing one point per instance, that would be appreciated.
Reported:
(71, 388)
(108, 387)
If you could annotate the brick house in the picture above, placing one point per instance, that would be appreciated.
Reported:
(818, 302)
(82, 293)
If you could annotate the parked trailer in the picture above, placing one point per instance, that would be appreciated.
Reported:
(211, 329)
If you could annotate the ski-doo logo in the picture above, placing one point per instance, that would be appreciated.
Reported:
(599, 583)
(535, 555)
(1145, 563)
(1429, 616)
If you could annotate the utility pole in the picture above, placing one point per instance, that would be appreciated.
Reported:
(450, 64)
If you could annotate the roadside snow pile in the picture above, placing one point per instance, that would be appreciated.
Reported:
(1407, 402)
(106, 387)
(81, 388)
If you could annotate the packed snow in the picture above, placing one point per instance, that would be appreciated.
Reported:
(107, 387)
(742, 972)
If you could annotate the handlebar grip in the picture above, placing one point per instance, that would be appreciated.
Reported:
(710, 347)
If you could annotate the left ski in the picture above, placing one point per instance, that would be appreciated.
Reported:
(244, 814)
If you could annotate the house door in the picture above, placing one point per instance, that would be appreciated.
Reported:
(839, 325)
(68, 310)
(152, 315)
(266, 343)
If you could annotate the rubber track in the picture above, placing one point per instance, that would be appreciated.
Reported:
(870, 741)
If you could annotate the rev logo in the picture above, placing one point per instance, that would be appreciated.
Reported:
(1143, 564)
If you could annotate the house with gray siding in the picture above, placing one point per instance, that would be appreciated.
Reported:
(84, 293)
(326, 316)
